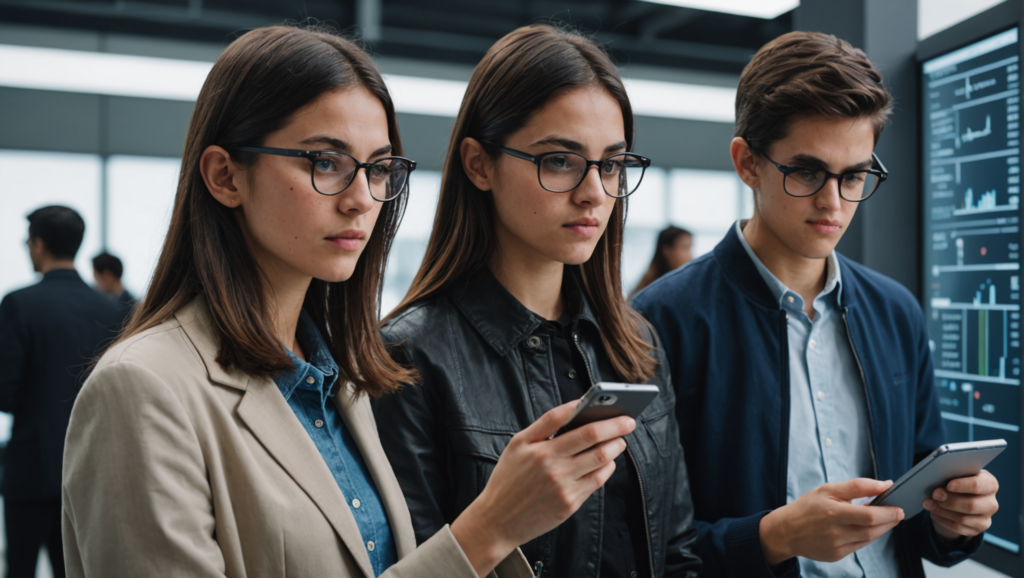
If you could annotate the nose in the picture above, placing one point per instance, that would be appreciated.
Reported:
(591, 190)
(828, 197)
(356, 199)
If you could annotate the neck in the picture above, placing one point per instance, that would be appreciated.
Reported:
(534, 280)
(56, 264)
(285, 297)
(801, 274)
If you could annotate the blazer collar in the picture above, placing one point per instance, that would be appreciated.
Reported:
(267, 414)
(500, 318)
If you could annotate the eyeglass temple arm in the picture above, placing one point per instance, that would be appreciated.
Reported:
(278, 152)
(885, 171)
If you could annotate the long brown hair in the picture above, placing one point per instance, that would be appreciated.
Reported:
(519, 75)
(257, 84)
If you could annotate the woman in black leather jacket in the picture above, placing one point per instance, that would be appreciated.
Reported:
(518, 308)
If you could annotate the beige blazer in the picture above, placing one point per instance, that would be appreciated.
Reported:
(175, 467)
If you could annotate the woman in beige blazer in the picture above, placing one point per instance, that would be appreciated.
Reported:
(228, 432)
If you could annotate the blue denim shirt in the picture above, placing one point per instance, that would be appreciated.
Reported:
(308, 391)
(829, 437)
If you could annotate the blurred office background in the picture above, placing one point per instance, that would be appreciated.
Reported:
(95, 97)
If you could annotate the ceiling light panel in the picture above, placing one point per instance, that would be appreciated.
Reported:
(766, 9)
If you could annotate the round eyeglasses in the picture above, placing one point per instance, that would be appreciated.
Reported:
(854, 186)
(563, 171)
(333, 171)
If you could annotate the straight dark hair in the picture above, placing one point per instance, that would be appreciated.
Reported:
(659, 263)
(258, 83)
(519, 75)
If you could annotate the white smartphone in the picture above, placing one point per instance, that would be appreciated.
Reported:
(606, 400)
(948, 462)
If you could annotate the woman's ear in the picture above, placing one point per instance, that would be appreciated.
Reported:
(477, 163)
(222, 176)
(745, 162)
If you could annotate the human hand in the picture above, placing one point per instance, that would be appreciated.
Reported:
(537, 484)
(823, 525)
(965, 506)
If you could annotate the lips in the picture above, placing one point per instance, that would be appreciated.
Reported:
(824, 226)
(350, 240)
(586, 227)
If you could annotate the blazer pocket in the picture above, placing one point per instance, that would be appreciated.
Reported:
(659, 427)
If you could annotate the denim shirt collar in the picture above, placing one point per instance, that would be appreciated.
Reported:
(320, 363)
(781, 293)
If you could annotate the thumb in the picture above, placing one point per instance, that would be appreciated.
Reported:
(857, 488)
(549, 423)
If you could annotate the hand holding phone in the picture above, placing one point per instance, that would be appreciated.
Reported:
(606, 400)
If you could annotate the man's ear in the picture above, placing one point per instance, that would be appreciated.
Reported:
(477, 163)
(747, 163)
(221, 175)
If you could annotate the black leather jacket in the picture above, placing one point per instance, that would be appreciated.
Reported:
(485, 377)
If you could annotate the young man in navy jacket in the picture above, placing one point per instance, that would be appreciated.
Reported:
(803, 378)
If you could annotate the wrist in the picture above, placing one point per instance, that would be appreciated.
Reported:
(481, 542)
(773, 543)
(948, 537)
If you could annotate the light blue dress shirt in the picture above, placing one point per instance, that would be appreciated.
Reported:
(308, 390)
(829, 433)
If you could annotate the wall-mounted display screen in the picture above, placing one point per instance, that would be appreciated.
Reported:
(971, 250)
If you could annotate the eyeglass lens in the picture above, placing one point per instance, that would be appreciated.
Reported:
(855, 186)
(620, 174)
(334, 173)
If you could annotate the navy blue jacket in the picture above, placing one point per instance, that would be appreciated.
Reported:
(726, 341)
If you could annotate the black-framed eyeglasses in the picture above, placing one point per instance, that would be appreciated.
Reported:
(854, 186)
(563, 171)
(333, 171)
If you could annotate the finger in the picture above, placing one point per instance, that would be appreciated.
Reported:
(977, 523)
(982, 483)
(589, 483)
(866, 534)
(857, 488)
(867, 515)
(962, 529)
(547, 424)
(588, 436)
(986, 505)
(597, 456)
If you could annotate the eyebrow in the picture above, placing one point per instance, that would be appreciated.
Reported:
(342, 145)
(574, 146)
(813, 162)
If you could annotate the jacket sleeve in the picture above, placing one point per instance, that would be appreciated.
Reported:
(13, 355)
(410, 433)
(920, 532)
(442, 557)
(728, 547)
(136, 500)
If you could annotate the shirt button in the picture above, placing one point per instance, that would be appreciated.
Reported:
(828, 442)
(370, 545)
(821, 396)
(813, 344)
(319, 423)
(790, 298)
(533, 342)
(572, 374)
(356, 503)
(310, 379)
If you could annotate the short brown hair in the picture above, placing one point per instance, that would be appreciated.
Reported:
(806, 73)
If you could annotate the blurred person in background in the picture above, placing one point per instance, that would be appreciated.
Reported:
(107, 271)
(673, 250)
(48, 334)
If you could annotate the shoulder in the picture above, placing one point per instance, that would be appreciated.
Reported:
(876, 291)
(419, 321)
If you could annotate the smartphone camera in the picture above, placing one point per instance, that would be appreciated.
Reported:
(607, 400)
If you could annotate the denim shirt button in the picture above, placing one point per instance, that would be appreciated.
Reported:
(356, 503)
(370, 545)
(319, 423)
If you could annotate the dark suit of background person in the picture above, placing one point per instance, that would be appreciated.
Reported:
(49, 333)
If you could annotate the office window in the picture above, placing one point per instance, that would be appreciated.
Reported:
(411, 241)
(140, 200)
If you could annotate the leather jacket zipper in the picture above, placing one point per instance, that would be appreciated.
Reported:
(636, 466)
(864, 382)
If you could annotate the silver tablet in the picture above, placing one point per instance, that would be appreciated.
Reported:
(948, 462)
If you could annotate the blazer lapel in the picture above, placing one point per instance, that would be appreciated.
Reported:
(266, 413)
(358, 416)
